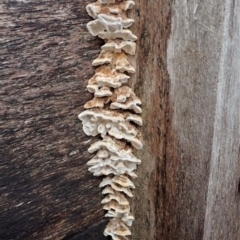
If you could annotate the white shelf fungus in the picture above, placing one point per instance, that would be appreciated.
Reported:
(116, 227)
(108, 23)
(118, 60)
(121, 98)
(118, 125)
(116, 47)
(124, 34)
(117, 9)
(105, 76)
(125, 217)
(112, 113)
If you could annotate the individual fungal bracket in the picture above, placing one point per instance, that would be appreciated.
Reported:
(113, 113)
(118, 46)
(121, 98)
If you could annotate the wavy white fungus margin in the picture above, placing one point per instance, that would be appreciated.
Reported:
(112, 113)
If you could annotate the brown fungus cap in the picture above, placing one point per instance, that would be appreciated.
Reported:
(114, 205)
(117, 227)
(117, 196)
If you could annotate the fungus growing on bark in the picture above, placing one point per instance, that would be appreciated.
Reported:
(116, 47)
(108, 181)
(105, 76)
(108, 23)
(117, 196)
(125, 98)
(107, 1)
(116, 227)
(115, 206)
(124, 34)
(117, 9)
(121, 98)
(118, 60)
(112, 113)
(103, 92)
(125, 217)
(118, 125)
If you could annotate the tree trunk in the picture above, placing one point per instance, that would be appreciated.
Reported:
(187, 76)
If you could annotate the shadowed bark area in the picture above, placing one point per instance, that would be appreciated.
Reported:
(45, 55)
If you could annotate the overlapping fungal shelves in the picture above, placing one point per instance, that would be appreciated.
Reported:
(113, 113)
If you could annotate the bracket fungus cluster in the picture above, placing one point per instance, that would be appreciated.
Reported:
(113, 113)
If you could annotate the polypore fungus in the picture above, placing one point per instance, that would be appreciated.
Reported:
(124, 34)
(118, 60)
(118, 125)
(120, 98)
(116, 227)
(116, 47)
(112, 113)
(105, 76)
(118, 9)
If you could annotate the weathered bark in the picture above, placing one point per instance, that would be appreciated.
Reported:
(203, 62)
(151, 84)
(46, 53)
(188, 79)
(189, 178)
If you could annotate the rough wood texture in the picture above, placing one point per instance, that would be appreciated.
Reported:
(151, 85)
(203, 62)
(189, 178)
(45, 55)
(188, 72)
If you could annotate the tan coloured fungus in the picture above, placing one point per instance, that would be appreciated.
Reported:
(96, 102)
(93, 9)
(116, 47)
(124, 34)
(103, 92)
(123, 181)
(125, 5)
(118, 184)
(103, 122)
(121, 98)
(108, 190)
(117, 9)
(112, 157)
(114, 205)
(117, 196)
(117, 150)
(104, 58)
(121, 62)
(106, 1)
(112, 113)
(134, 118)
(108, 181)
(106, 167)
(117, 227)
(118, 60)
(125, 98)
(125, 217)
(106, 77)
(108, 23)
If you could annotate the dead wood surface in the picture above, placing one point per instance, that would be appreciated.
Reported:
(204, 67)
(45, 61)
(188, 80)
